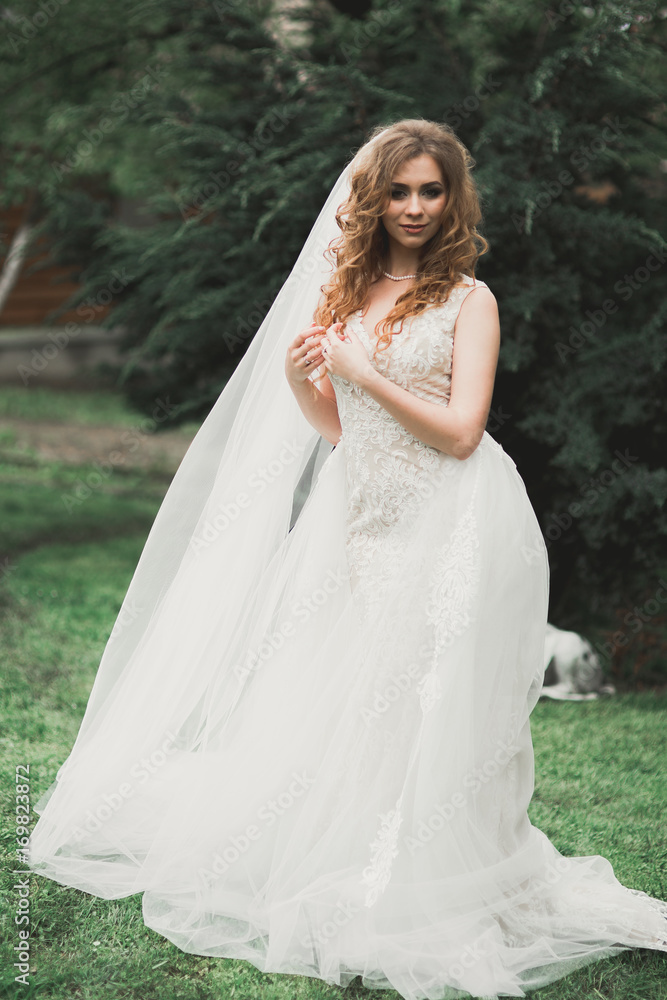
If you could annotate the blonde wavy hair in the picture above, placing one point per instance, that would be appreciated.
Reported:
(359, 252)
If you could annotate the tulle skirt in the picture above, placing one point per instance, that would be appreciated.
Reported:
(329, 776)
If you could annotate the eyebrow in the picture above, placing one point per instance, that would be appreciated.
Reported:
(399, 184)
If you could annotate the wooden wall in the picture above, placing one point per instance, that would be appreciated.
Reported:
(35, 295)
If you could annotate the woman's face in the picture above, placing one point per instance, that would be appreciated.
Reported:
(417, 202)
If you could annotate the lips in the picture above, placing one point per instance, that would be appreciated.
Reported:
(413, 229)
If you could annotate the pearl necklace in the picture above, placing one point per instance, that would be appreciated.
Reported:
(399, 277)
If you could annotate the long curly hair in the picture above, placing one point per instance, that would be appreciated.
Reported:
(359, 252)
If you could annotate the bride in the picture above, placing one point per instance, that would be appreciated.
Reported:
(308, 743)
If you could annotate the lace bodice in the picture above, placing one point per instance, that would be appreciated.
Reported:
(419, 358)
(389, 471)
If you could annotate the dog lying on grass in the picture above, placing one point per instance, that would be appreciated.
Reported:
(572, 670)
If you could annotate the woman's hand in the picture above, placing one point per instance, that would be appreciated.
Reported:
(304, 354)
(345, 355)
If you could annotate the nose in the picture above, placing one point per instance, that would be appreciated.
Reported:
(413, 206)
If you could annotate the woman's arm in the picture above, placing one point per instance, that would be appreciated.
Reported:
(457, 428)
(318, 409)
(317, 402)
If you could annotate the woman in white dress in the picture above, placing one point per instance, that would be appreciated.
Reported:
(308, 743)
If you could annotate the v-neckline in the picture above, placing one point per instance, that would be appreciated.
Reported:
(433, 305)
(372, 339)
(359, 315)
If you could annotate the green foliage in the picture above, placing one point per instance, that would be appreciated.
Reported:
(235, 143)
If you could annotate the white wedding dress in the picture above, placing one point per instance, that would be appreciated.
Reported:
(358, 804)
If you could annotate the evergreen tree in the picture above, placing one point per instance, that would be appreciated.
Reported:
(561, 105)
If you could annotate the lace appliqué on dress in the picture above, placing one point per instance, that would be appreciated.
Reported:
(429, 690)
(389, 475)
(383, 852)
(452, 591)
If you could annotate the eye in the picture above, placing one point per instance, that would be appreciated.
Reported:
(434, 192)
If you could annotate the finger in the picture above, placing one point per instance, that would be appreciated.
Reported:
(306, 334)
(313, 358)
(312, 335)
(304, 348)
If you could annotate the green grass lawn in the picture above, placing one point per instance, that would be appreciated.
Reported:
(599, 765)
(46, 403)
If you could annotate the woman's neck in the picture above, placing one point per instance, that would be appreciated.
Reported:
(401, 260)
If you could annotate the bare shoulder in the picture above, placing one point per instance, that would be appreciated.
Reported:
(478, 322)
(480, 293)
(479, 302)
(471, 290)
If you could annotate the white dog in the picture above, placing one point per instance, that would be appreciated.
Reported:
(572, 670)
